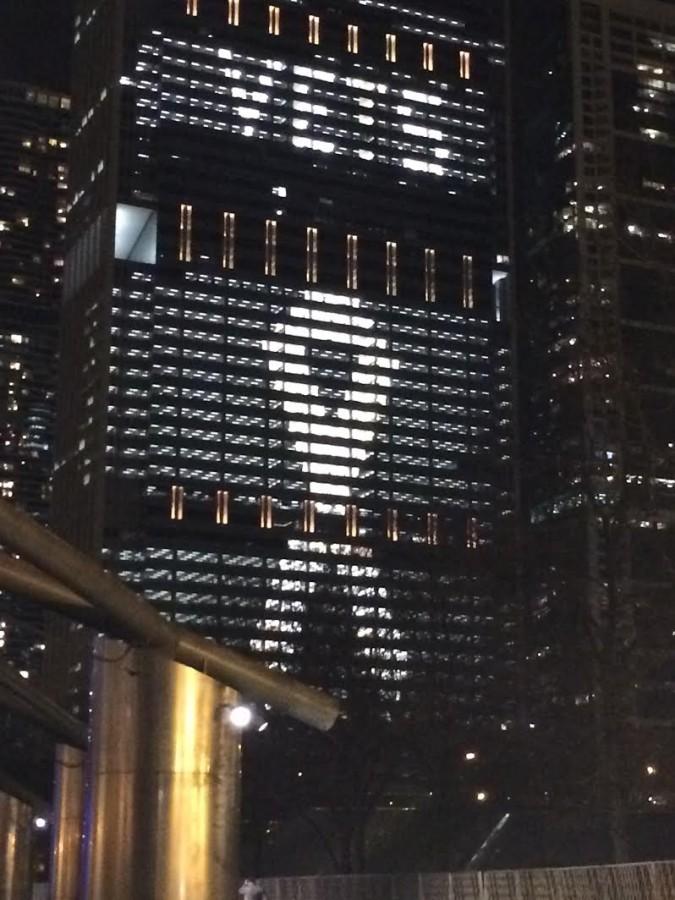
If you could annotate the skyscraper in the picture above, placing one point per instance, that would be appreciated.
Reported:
(286, 402)
(33, 197)
(596, 86)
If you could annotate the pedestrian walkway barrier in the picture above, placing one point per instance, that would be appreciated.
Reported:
(644, 881)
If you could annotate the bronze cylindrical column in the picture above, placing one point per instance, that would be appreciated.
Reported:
(15, 847)
(164, 782)
(67, 826)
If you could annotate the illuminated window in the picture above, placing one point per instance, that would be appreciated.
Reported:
(229, 239)
(274, 25)
(185, 233)
(222, 507)
(352, 262)
(192, 7)
(314, 30)
(432, 528)
(428, 57)
(464, 64)
(392, 524)
(232, 12)
(312, 255)
(391, 48)
(467, 281)
(392, 269)
(352, 520)
(309, 516)
(472, 533)
(430, 276)
(177, 501)
(271, 247)
(353, 38)
(266, 510)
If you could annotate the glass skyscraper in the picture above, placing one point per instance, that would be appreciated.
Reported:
(286, 402)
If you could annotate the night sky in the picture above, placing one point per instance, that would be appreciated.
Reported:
(35, 38)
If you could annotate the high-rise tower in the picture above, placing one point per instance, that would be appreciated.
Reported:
(596, 82)
(286, 402)
(33, 197)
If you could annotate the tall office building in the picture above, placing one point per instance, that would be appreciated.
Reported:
(597, 93)
(33, 196)
(286, 403)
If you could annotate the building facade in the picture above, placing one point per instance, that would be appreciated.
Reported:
(33, 197)
(286, 410)
(597, 225)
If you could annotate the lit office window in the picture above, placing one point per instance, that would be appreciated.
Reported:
(229, 239)
(222, 507)
(352, 520)
(352, 262)
(266, 510)
(353, 38)
(309, 516)
(392, 524)
(314, 30)
(428, 57)
(274, 23)
(430, 275)
(392, 269)
(464, 64)
(472, 533)
(176, 505)
(271, 247)
(192, 7)
(467, 281)
(432, 528)
(185, 233)
(232, 12)
(312, 255)
(391, 48)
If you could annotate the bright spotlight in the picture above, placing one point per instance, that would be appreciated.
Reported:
(40, 823)
(241, 716)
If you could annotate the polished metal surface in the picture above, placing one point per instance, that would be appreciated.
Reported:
(15, 844)
(164, 781)
(67, 822)
(107, 593)
(23, 698)
(112, 813)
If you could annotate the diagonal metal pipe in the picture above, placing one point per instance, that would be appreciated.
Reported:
(23, 698)
(90, 582)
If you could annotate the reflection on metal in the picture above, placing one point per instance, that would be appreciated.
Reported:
(163, 811)
(15, 829)
(67, 827)
(23, 698)
(107, 593)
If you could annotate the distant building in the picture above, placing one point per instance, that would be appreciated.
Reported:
(596, 101)
(34, 127)
(286, 371)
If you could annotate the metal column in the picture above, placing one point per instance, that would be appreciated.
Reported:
(163, 815)
(15, 848)
(67, 827)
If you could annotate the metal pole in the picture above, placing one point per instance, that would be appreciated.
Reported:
(23, 698)
(15, 844)
(67, 825)
(164, 782)
(91, 582)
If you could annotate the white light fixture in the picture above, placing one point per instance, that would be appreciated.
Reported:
(481, 796)
(40, 823)
(240, 716)
(470, 756)
(651, 770)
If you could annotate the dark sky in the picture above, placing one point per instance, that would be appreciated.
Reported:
(35, 38)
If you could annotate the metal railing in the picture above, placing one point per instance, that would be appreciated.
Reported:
(645, 881)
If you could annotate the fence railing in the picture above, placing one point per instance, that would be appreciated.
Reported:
(644, 881)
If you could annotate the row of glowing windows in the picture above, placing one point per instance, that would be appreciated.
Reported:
(185, 254)
(352, 36)
(309, 517)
